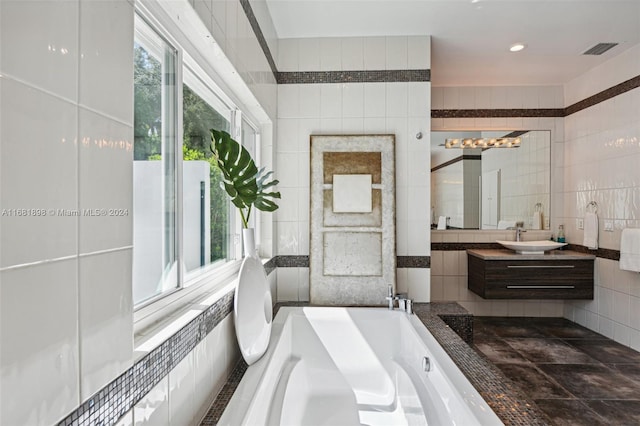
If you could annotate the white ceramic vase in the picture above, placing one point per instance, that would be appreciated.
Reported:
(252, 303)
(249, 242)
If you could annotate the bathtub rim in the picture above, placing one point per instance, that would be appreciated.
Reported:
(240, 402)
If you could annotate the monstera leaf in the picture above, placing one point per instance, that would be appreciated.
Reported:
(242, 180)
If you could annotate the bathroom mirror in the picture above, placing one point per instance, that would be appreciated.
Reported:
(491, 187)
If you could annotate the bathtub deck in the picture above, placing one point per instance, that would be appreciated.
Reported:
(443, 320)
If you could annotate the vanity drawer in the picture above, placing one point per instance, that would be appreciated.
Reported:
(531, 279)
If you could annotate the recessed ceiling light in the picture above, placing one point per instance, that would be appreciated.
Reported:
(517, 47)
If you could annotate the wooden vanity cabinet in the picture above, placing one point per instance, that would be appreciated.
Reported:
(516, 276)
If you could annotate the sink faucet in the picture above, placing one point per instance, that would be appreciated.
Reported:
(519, 231)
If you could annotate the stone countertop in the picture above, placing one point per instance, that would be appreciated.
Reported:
(506, 254)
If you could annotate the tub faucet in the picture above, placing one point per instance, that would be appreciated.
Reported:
(402, 301)
(390, 297)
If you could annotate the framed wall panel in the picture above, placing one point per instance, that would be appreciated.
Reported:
(352, 258)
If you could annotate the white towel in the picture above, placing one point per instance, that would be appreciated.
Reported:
(630, 249)
(590, 223)
(442, 222)
(536, 222)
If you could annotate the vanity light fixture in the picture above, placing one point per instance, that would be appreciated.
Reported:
(470, 143)
(517, 47)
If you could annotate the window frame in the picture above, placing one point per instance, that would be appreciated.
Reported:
(176, 123)
(191, 284)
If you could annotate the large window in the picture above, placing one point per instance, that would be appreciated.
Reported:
(206, 206)
(184, 224)
(155, 257)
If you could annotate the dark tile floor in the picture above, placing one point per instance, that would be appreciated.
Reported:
(574, 375)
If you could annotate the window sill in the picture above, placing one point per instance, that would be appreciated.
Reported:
(157, 322)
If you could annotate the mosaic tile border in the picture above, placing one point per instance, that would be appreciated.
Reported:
(510, 404)
(375, 76)
(270, 265)
(413, 261)
(295, 261)
(601, 252)
(113, 401)
(498, 113)
(292, 261)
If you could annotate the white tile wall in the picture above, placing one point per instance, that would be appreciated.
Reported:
(354, 108)
(39, 171)
(102, 59)
(103, 143)
(153, 409)
(65, 143)
(600, 164)
(182, 392)
(39, 352)
(48, 40)
(106, 311)
(45, 80)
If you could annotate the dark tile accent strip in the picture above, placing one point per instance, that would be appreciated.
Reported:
(291, 261)
(271, 265)
(246, 5)
(601, 252)
(455, 160)
(497, 113)
(381, 76)
(511, 405)
(606, 94)
(413, 262)
(222, 400)
(463, 246)
(110, 403)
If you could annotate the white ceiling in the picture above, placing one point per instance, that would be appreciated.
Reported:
(471, 38)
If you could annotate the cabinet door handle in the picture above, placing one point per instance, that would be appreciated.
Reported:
(541, 266)
(541, 286)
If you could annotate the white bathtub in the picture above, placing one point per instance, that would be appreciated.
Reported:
(354, 366)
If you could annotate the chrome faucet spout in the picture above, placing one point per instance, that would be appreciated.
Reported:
(390, 299)
(519, 232)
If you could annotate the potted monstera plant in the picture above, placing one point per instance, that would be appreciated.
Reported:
(246, 184)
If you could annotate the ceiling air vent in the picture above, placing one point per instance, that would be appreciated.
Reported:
(600, 48)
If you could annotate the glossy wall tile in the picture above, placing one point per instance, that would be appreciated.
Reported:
(106, 315)
(39, 374)
(38, 185)
(46, 55)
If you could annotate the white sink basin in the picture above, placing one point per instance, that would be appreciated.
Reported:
(531, 247)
